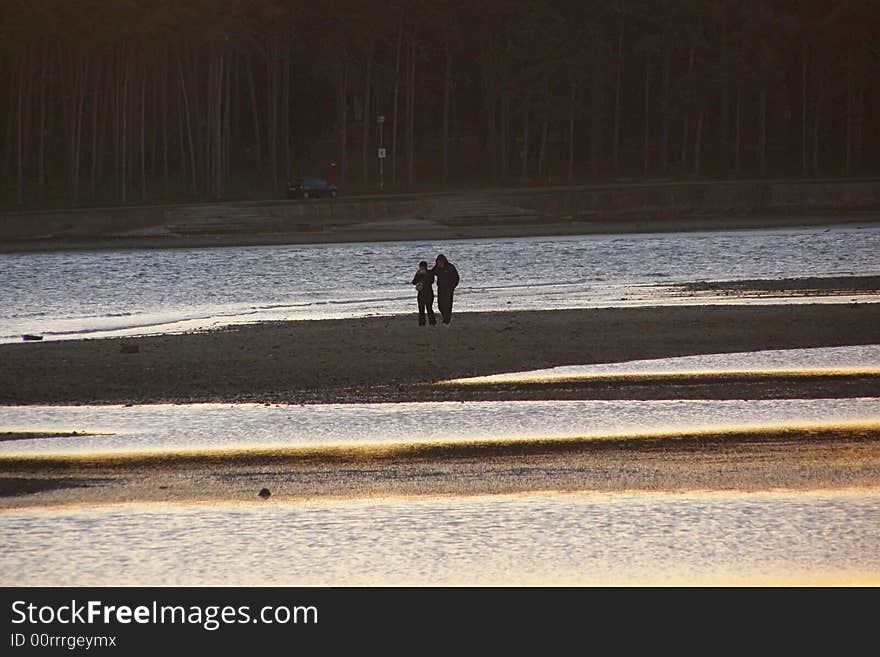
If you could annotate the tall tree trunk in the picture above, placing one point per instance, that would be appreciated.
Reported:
(218, 164)
(71, 68)
(762, 131)
(396, 103)
(342, 114)
(850, 111)
(181, 135)
(571, 117)
(724, 117)
(804, 56)
(724, 133)
(524, 153)
(542, 149)
(366, 160)
(155, 114)
(6, 146)
(211, 64)
(504, 135)
(226, 150)
(646, 130)
(273, 100)
(143, 109)
(686, 120)
(187, 121)
(596, 137)
(664, 103)
(80, 97)
(489, 87)
(233, 124)
(19, 135)
(411, 108)
(698, 138)
(617, 106)
(737, 135)
(117, 121)
(123, 159)
(164, 109)
(28, 113)
(545, 129)
(858, 130)
(9, 140)
(447, 91)
(108, 130)
(41, 123)
(817, 114)
(96, 108)
(285, 113)
(258, 152)
(26, 117)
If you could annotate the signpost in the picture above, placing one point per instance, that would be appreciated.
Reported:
(381, 119)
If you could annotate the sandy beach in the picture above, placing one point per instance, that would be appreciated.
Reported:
(393, 359)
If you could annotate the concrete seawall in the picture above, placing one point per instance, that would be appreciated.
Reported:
(523, 210)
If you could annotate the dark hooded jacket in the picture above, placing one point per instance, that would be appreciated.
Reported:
(447, 277)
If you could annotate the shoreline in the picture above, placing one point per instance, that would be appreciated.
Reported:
(400, 231)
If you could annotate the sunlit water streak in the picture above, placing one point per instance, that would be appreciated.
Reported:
(854, 358)
(554, 539)
(140, 291)
(162, 427)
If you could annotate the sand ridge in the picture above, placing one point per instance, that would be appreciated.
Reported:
(394, 359)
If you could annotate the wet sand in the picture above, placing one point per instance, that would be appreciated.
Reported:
(806, 286)
(393, 359)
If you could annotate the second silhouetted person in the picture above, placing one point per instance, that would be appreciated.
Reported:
(447, 280)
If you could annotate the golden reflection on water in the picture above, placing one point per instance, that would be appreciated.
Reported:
(402, 501)
(729, 375)
(377, 451)
(738, 579)
(557, 538)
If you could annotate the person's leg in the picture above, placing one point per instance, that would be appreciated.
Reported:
(440, 301)
(444, 303)
(421, 312)
(429, 306)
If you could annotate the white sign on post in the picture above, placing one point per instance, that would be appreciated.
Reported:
(381, 153)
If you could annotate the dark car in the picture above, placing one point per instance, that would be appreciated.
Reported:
(310, 187)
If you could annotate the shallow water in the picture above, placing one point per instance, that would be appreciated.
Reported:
(139, 291)
(219, 426)
(727, 538)
(154, 427)
(850, 358)
(551, 539)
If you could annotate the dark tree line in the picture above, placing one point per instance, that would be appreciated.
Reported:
(155, 100)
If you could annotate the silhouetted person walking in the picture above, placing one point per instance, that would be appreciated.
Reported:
(424, 281)
(447, 280)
